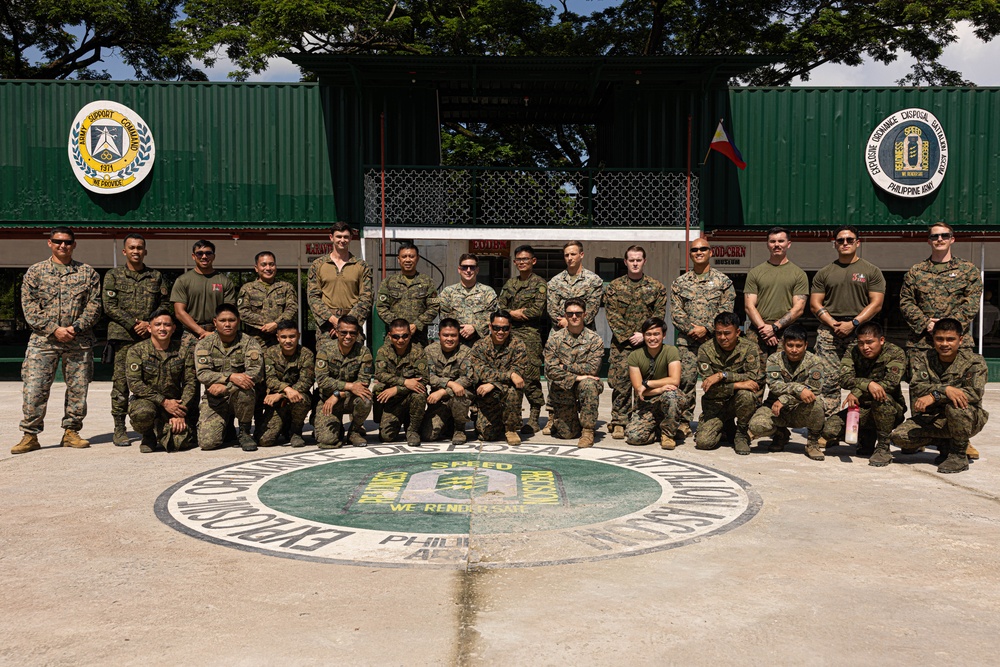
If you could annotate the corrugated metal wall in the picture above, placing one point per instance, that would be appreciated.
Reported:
(804, 148)
(236, 155)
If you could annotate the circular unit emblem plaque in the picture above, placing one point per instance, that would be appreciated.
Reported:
(907, 153)
(489, 506)
(111, 147)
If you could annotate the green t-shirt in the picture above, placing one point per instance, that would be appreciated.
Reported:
(846, 286)
(202, 294)
(775, 286)
(661, 364)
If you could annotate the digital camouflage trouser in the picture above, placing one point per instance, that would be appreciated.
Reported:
(119, 386)
(443, 418)
(653, 418)
(942, 423)
(499, 412)
(876, 420)
(407, 410)
(38, 372)
(575, 409)
(808, 415)
(532, 340)
(689, 383)
(218, 411)
(284, 418)
(621, 385)
(148, 417)
(765, 352)
(717, 417)
(329, 428)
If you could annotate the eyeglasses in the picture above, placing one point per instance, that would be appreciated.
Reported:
(204, 253)
(940, 237)
(61, 242)
(399, 336)
(522, 260)
(694, 250)
(506, 328)
(467, 267)
(846, 240)
(574, 313)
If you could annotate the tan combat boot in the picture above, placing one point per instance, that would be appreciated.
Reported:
(513, 439)
(29, 443)
(972, 452)
(532, 426)
(684, 429)
(120, 438)
(618, 432)
(666, 442)
(72, 438)
(813, 450)
(586, 438)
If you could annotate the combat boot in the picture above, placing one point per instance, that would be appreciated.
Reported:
(957, 460)
(618, 432)
(684, 429)
(548, 425)
(972, 452)
(779, 440)
(666, 442)
(247, 443)
(72, 438)
(532, 426)
(29, 443)
(120, 438)
(297, 440)
(513, 439)
(813, 449)
(741, 443)
(148, 444)
(357, 438)
(881, 456)
(459, 437)
(413, 438)
(586, 438)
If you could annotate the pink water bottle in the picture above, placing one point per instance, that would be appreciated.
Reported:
(853, 417)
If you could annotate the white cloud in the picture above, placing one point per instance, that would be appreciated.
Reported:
(278, 69)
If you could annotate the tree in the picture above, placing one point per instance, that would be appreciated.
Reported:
(61, 39)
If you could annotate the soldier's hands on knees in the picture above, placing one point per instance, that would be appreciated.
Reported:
(272, 399)
(456, 388)
(387, 394)
(957, 397)
(242, 380)
(436, 396)
(484, 389)
(174, 407)
(922, 403)
(416, 385)
(852, 400)
(776, 408)
(293, 395)
(517, 380)
(877, 391)
(807, 396)
(360, 390)
(217, 389)
(328, 404)
(749, 385)
(178, 425)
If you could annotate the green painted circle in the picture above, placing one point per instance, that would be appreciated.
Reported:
(552, 493)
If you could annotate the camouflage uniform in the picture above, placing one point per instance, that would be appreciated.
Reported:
(722, 403)
(586, 285)
(656, 416)
(333, 371)
(451, 413)
(888, 370)
(260, 303)
(155, 376)
(946, 289)
(942, 423)
(129, 297)
(695, 300)
(469, 306)
(406, 407)
(574, 404)
(785, 382)
(53, 296)
(499, 410)
(412, 299)
(297, 372)
(214, 362)
(627, 304)
(530, 295)
(327, 284)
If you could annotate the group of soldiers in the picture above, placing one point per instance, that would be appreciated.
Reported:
(239, 362)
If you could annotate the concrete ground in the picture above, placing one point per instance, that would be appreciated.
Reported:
(844, 564)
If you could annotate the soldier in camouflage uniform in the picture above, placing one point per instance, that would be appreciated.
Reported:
(469, 301)
(494, 370)
(338, 284)
(229, 364)
(872, 372)
(575, 281)
(62, 303)
(343, 373)
(628, 302)
(572, 360)
(400, 385)
(655, 373)
(448, 401)
(524, 297)
(266, 301)
(131, 293)
(732, 381)
(289, 371)
(795, 382)
(160, 374)
(408, 295)
(946, 397)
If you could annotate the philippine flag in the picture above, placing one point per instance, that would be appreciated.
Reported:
(722, 143)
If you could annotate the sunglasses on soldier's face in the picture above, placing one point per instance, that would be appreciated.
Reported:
(399, 336)
(495, 328)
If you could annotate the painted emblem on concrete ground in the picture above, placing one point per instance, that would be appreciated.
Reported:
(111, 147)
(441, 505)
(907, 153)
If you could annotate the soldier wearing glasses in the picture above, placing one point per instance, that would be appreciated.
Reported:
(197, 293)
(469, 301)
(401, 384)
(495, 371)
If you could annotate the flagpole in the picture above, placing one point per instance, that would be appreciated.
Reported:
(687, 217)
(710, 146)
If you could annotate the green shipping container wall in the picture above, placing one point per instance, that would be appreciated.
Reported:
(804, 149)
(227, 155)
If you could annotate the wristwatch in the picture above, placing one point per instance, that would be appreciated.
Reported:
(856, 323)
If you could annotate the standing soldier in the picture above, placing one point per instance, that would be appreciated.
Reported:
(696, 298)
(469, 301)
(628, 302)
(131, 293)
(289, 371)
(872, 372)
(343, 373)
(732, 383)
(575, 281)
(940, 286)
(946, 396)
(266, 301)
(448, 403)
(494, 370)
(229, 364)
(62, 302)
(524, 297)
(408, 295)
(339, 284)
(198, 293)
(572, 360)
(400, 376)
(795, 381)
(161, 377)
(655, 373)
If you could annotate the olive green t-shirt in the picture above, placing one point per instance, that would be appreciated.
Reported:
(661, 364)
(846, 286)
(202, 294)
(775, 286)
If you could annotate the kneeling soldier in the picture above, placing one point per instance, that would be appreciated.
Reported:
(160, 375)
(448, 402)
(730, 364)
(795, 381)
(572, 361)
(946, 396)
(289, 370)
(495, 369)
(872, 372)
(229, 364)
(655, 373)
(343, 373)
(400, 369)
